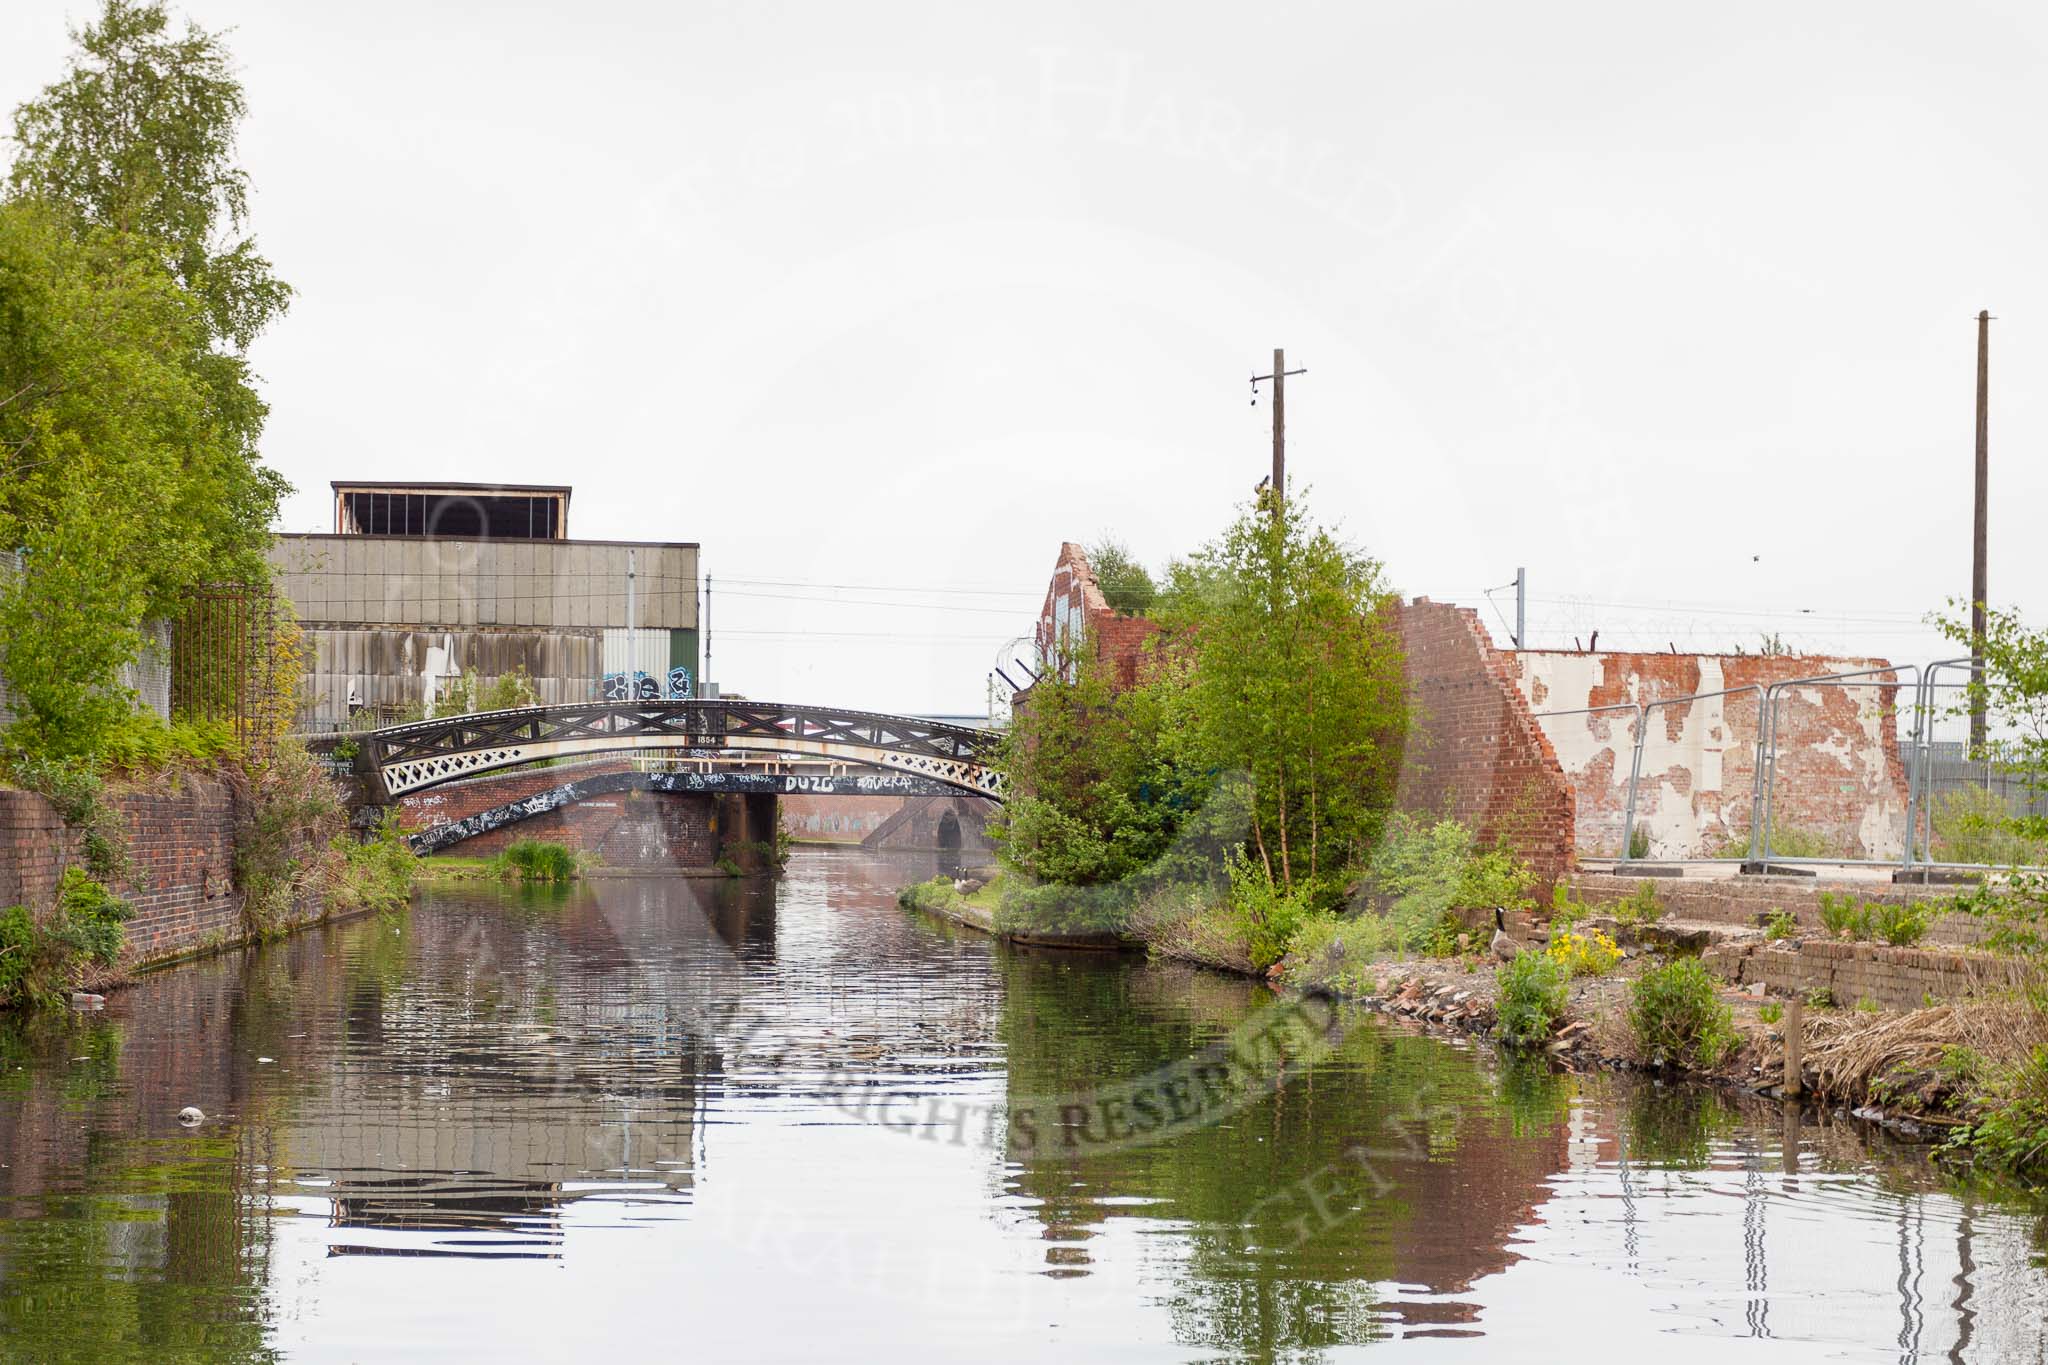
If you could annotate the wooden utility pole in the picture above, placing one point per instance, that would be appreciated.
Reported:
(1980, 590)
(1279, 378)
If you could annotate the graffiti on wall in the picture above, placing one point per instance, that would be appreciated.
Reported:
(648, 687)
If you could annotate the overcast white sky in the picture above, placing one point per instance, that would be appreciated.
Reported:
(1673, 306)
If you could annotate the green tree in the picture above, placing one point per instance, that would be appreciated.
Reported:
(139, 139)
(469, 693)
(1126, 584)
(1100, 779)
(1297, 682)
(2013, 688)
(128, 435)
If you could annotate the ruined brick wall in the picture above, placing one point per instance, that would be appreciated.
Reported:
(181, 844)
(1474, 750)
(1840, 776)
(1075, 612)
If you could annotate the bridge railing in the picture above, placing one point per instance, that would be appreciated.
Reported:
(425, 753)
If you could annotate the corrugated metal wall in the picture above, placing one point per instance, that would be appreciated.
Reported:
(393, 668)
(659, 672)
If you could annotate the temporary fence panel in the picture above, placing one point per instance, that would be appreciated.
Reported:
(1695, 787)
(1834, 775)
(1597, 746)
(1967, 797)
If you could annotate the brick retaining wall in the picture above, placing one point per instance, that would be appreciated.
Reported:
(1893, 978)
(181, 843)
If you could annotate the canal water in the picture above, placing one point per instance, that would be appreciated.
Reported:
(668, 1118)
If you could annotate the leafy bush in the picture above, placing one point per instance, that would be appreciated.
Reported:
(89, 917)
(1270, 913)
(41, 959)
(143, 742)
(1770, 1012)
(1642, 906)
(1593, 954)
(19, 945)
(1782, 924)
(1847, 916)
(1974, 825)
(1565, 913)
(1677, 1016)
(2013, 1131)
(292, 815)
(1338, 951)
(1786, 842)
(1125, 583)
(469, 693)
(1639, 842)
(375, 874)
(537, 860)
(1426, 874)
(1901, 925)
(1054, 909)
(1844, 916)
(1533, 989)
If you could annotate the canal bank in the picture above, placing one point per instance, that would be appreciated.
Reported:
(1918, 1039)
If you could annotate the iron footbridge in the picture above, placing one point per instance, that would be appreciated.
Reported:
(409, 758)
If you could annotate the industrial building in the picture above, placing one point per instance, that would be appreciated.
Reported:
(420, 583)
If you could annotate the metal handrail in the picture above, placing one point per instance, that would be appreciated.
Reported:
(1642, 738)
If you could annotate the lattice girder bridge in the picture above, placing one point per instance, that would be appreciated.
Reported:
(409, 758)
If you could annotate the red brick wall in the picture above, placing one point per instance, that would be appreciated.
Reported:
(1076, 611)
(837, 819)
(624, 829)
(181, 845)
(1474, 749)
(460, 800)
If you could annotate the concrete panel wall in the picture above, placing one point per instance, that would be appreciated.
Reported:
(401, 580)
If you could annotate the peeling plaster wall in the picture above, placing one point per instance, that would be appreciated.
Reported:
(1840, 776)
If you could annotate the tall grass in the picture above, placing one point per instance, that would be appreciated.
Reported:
(536, 860)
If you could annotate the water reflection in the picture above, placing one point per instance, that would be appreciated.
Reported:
(661, 1094)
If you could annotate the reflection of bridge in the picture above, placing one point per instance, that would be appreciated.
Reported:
(721, 779)
(410, 758)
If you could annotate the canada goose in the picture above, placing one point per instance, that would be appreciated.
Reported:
(1504, 948)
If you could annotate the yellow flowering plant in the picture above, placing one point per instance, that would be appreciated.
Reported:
(1589, 954)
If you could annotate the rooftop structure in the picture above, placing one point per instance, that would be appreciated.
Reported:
(485, 511)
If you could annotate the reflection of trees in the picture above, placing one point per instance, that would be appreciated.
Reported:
(1396, 1159)
(117, 1252)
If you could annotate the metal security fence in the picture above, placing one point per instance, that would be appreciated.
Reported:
(1867, 767)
